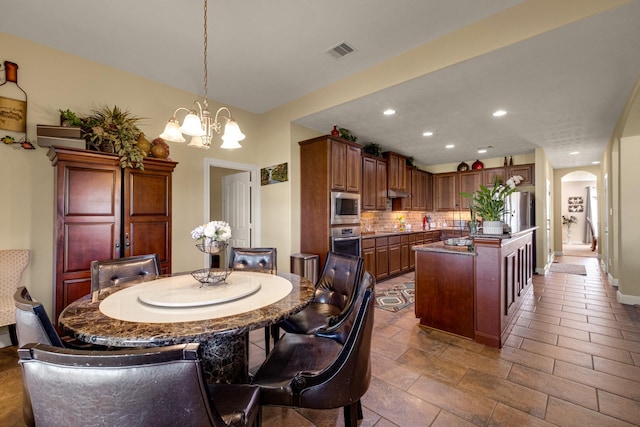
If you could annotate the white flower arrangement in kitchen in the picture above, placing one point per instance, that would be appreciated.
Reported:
(214, 236)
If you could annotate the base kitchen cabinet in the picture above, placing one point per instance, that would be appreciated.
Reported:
(382, 258)
(369, 254)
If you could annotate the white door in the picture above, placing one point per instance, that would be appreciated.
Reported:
(236, 194)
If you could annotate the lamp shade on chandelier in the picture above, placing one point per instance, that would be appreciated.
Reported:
(199, 124)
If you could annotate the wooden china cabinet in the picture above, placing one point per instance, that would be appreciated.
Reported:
(103, 211)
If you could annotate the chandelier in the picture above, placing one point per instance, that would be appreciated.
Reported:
(200, 124)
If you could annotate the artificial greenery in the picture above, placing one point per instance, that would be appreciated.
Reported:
(374, 149)
(346, 134)
(70, 118)
(410, 162)
(112, 130)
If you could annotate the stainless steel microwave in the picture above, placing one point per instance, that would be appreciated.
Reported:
(345, 208)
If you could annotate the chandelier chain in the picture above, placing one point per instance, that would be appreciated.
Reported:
(206, 74)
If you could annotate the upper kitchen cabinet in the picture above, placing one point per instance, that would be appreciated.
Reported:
(397, 179)
(345, 165)
(525, 171)
(374, 184)
(469, 182)
(448, 186)
(420, 190)
(490, 175)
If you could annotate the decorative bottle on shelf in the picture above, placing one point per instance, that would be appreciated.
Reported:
(505, 161)
(13, 106)
(510, 160)
(335, 131)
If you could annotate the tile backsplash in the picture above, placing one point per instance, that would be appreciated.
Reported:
(389, 220)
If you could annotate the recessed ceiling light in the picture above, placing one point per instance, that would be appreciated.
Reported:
(597, 162)
(573, 153)
(449, 146)
(427, 133)
(482, 151)
(499, 113)
(389, 112)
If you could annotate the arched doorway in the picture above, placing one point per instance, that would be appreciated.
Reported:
(579, 206)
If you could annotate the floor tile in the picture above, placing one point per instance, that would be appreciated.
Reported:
(567, 414)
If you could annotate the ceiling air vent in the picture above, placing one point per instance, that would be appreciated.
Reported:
(340, 51)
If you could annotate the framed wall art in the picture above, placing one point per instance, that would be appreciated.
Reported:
(274, 174)
(576, 204)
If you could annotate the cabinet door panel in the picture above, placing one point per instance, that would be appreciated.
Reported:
(87, 241)
(369, 181)
(469, 182)
(381, 185)
(352, 169)
(91, 192)
(338, 166)
(445, 191)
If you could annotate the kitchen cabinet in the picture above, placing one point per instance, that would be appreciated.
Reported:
(448, 186)
(397, 179)
(104, 212)
(345, 166)
(382, 258)
(490, 175)
(419, 189)
(469, 182)
(525, 171)
(374, 184)
(369, 254)
(445, 191)
(326, 164)
(404, 251)
(429, 198)
(395, 256)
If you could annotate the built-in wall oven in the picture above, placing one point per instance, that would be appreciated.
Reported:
(345, 208)
(346, 240)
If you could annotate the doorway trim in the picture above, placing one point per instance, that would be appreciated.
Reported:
(254, 171)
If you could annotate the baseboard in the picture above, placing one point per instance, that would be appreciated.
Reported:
(627, 299)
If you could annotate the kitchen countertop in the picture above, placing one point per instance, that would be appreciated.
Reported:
(400, 233)
(441, 247)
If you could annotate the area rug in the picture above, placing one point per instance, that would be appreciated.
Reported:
(568, 268)
(396, 298)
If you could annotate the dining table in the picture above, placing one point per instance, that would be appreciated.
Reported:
(178, 309)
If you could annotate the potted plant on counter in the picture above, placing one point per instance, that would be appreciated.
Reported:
(490, 203)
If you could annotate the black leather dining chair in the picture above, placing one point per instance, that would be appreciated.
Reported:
(326, 370)
(111, 272)
(263, 260)
(159, 386)
(335, 291)
(34, 326)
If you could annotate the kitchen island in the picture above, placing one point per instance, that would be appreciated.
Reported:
(474, 291)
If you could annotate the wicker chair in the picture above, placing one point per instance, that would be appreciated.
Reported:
(12, 264)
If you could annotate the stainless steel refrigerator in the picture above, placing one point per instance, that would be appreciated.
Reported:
(520, 210)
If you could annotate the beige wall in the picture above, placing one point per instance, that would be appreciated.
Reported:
(54, 79)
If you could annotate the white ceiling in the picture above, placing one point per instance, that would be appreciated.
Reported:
(564, 90)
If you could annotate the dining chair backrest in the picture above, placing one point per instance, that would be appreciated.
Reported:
(134, 387)
(254, 259)
(111, 272)
(32, 323)
(12, 264)
(327, 370)
(340, 331)
(338, 282)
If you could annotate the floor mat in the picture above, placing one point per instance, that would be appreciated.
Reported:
(396, 298)
(568, 268)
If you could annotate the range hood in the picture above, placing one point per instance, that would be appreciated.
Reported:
(393, 194)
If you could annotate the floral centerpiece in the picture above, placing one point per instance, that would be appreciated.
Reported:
(489, 203)
(213, 235)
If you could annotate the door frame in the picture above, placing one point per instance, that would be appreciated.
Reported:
(254, 171)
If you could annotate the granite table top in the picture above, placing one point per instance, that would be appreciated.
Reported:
(87, 321)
